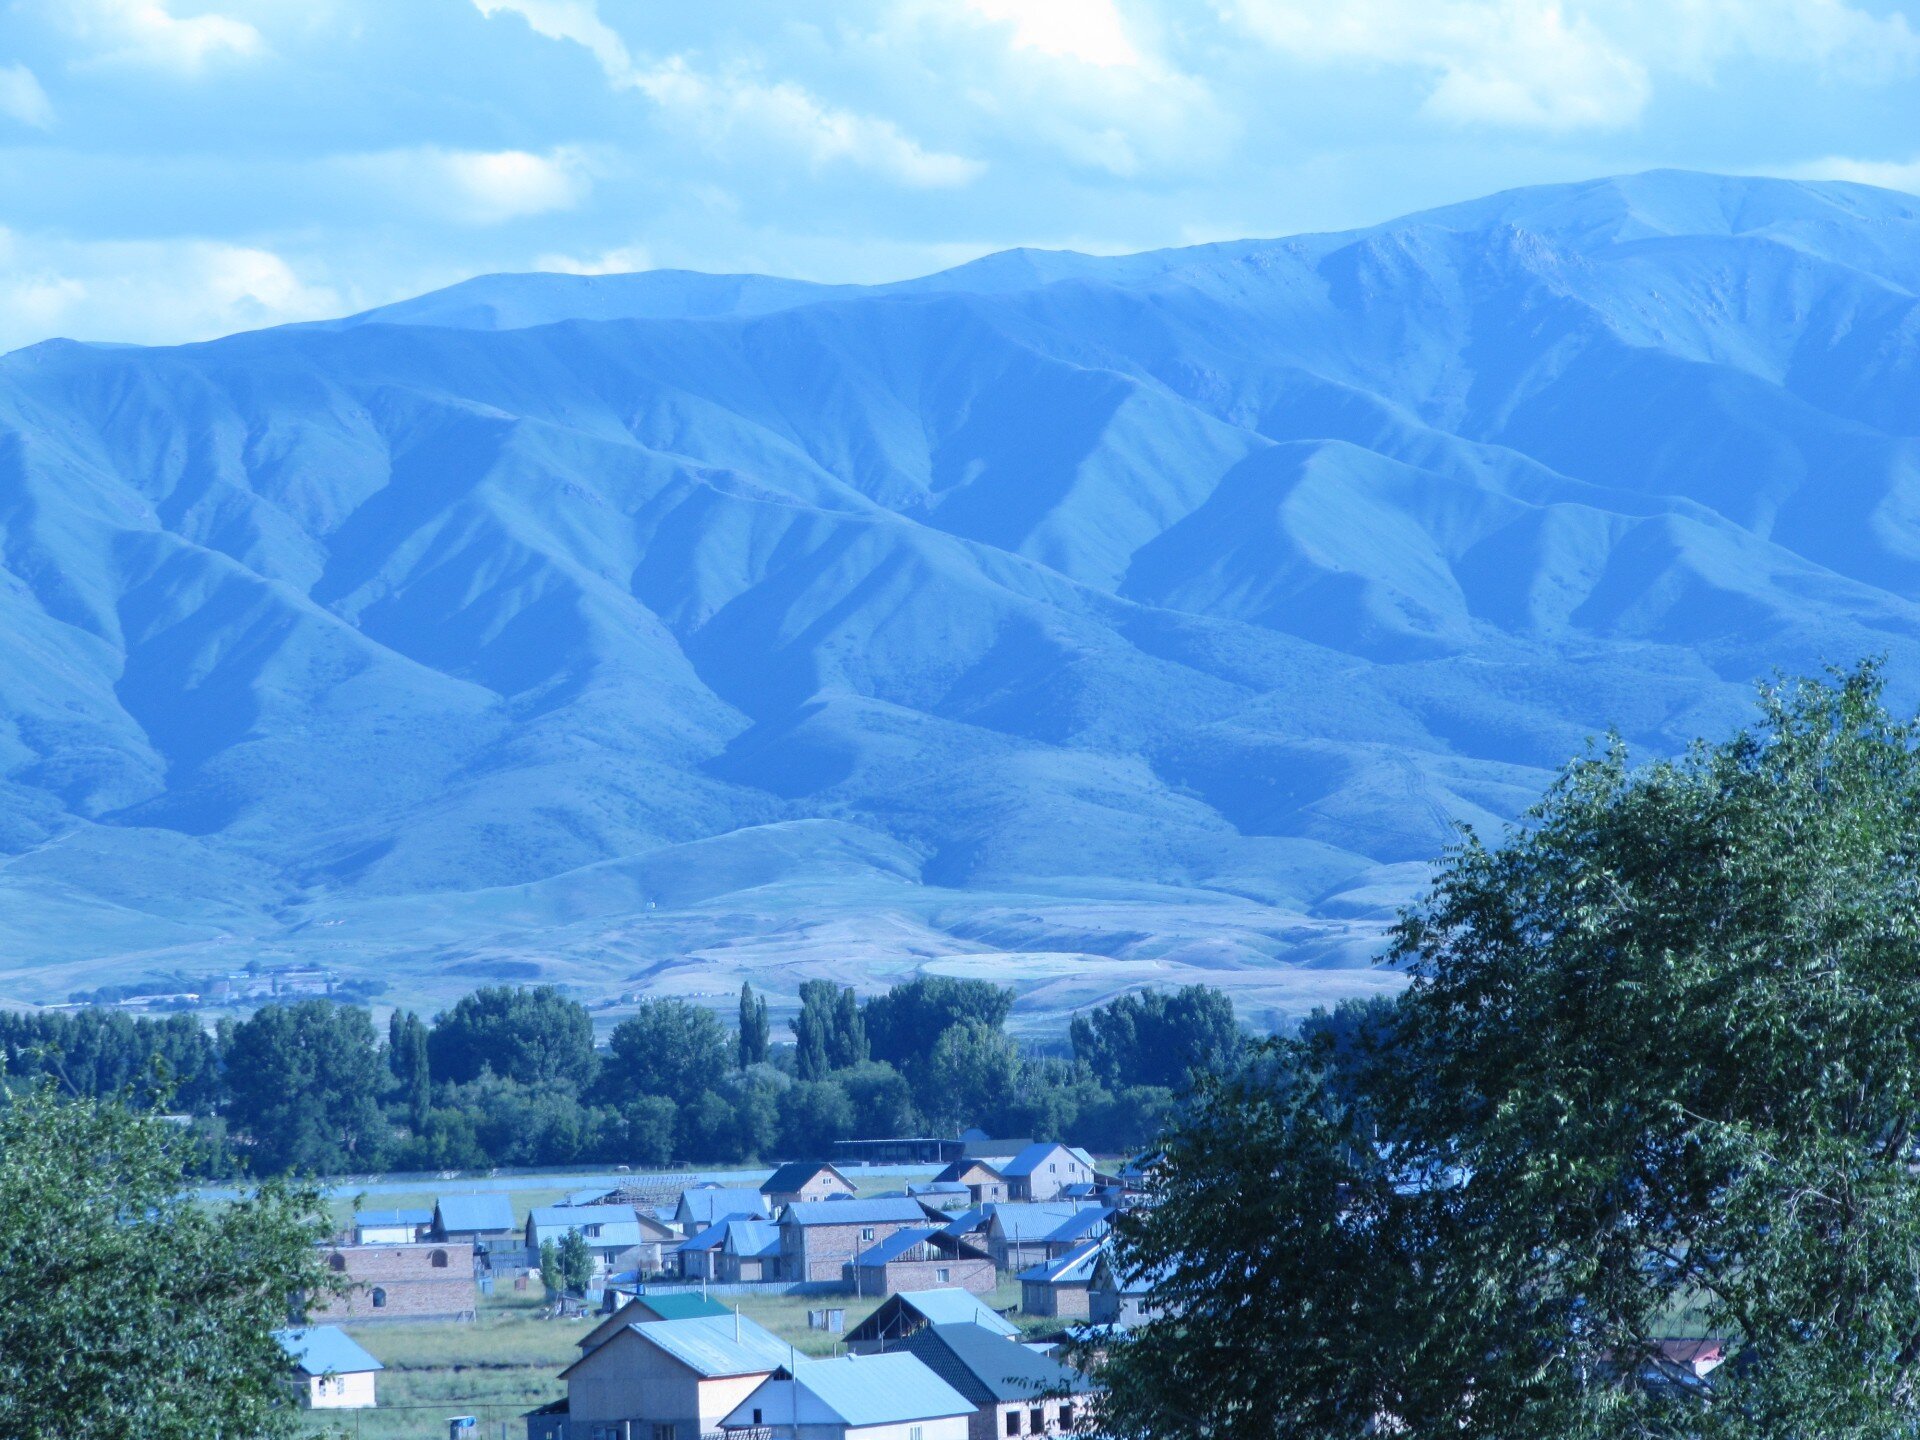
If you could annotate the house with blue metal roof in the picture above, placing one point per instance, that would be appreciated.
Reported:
(331, 1370)
(911, 1311)
(1042, 1171)
(706, 1205)
(820, 1238)
(918, 1259)
(804, 1180)
(1023, 1235)
(734, 1251)
(1059, 1287)
(392, 1227)
(484, 1221)
(618, 1236)
(854, 1397)
(683, 1374)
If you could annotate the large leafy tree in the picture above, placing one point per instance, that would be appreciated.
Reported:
(666, 1047)
(305, 1082)
(1158, 1037)
(527, 1035)
(127, 1307)
(1658, 1069)
(905, 1023)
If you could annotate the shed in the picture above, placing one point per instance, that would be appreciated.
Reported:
(334, 1372)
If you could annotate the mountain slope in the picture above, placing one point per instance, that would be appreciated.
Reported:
(1081, 620)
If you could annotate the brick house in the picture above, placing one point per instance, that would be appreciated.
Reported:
(399, 1282)
(921, 1260)
(985, 1185)
(819, 1237)
(1059, 1287)
(1014, 1390)
(1044, 1171)
(804, 1180)
(1021, 1236)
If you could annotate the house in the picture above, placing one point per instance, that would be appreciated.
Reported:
(428, 1281)
(618, 1236)
(733, 1252)
(706, 1205)
(333, 1372)
(392, 1227)
(1014, 1390)
(1041, 1172)
(1023, 1235)
(1120, 1296)
(853, 1397)
(941, 1195)
(917, 1259)
(804, 1180)
(984, 1183)
(1058, 1287)
(669, 1379)
(549, 1422)
(911, 1311)
(643, 1309)
(484, 1221)
(819, 1237)
(1140, 1174)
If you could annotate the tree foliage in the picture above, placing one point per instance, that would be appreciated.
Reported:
(905, 1023)
(126, 1307)
(525, 1035)
(666, 1047)
(305, 1082)
(1158, 1037)
(754, 1029)
(1660, 1058)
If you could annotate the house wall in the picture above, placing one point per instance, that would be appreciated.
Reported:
(1110, 1307)
(820, 1187)
(739, 1270)
(821, 1252)
(949, 1427)
(1056, 1172)
(409, 1284)
(1023, 1256)
(1066, 1302)
(384, 1235)
(628, 1379)
(965, 1274)
(341, 1392)
(991, 1424)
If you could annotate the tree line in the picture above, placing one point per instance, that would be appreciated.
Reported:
(512, 1076)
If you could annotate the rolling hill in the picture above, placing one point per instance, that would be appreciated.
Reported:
(1079, 621)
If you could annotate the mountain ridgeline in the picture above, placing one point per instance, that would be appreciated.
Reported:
(1070, 621)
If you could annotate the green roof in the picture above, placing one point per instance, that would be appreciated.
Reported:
(680, 1304)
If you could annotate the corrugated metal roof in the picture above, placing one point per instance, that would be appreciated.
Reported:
(893, 1247)
(681, 1305)
(488, 1212)
(988, 1367)
(618, 1225)
(706, 1206)
(392, 1219)
(1029, 1159)
(854, 1391)
(325, 1350)
(853, 1212)
(1028, 1220)
(754, 1239)
(1073, 1268)
(715, 1345)
(957, 1307)
(1090, 1222)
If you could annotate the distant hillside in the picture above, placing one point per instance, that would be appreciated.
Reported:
(1078, 621)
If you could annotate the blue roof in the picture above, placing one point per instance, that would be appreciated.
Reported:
(1040, 1220)
(491, 1211)
(855, 1391)
(755, 1239)
(325, 1350)
(1073, 1268)
(957, 1307)
(1028, 1160)
(893, 1247)
(705, 1206)
(392, 1219)
(618, 1224)
(707, 1344)
(1089, 1222)
(901, 1211)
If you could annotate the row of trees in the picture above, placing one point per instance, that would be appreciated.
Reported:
(513, 1077)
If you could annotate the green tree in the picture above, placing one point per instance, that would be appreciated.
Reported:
(408, 1059)
(754, 1029)
(814, 1114)
(650, 1122)
(905, 1024)
(527, 1035)
(1660, 1055)
(882, 1100)
(666, 1047)
(574, 1261)
(709, 1131)
(551, 1274)
(126, 1306)
(305, 1081)
(1158, 1037)
(847, 1045)
(971, 1076)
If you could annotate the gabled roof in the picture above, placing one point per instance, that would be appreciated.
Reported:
(1073, 1268)
(894, 1246)
(1038, 1220)
(956, 1307)
(391, 1219)
(711, 1346)
(325, 1350)
(1128, 1280)
(679, 1305)
(619, 1225)
(794, 1175)
(901, 1211)
(752, 1239)
(1030, 1159)
(991, 1369)
(854, 1391)
(1090, 1222)
(968, 1221)
(965, 1165)
(706, 1204)
(488, 1212)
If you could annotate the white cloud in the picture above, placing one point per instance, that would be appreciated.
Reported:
(738, 108)
(1887, 174)
(1087, 30)
(621, 260)
(1578, 64)
(22, 99)
(147, 291)
(147, 32)
(477, 187)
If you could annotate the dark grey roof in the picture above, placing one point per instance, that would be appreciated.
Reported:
(989, 1368)
(793, 1175)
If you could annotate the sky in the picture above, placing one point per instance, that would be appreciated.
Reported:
(173, 170)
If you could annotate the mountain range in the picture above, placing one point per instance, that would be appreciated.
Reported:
(1079, 622)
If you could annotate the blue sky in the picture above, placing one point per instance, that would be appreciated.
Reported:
(177, 169)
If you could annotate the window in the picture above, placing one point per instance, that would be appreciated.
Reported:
(942, 1275)
(379, 1298)
(337, 1261)
(665, 1432)
(867, 1233)
(1038, 1420)
(916, 1432)
(592, 1232)
(1013, 1422)
(1066, 1416)
(439, 1259)
(756, 1417)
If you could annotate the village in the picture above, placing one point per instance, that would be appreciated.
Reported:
(945, 1296)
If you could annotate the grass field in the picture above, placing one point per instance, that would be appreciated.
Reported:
(509, 1361)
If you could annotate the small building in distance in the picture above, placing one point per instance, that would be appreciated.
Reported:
(985, 1185)
(1023, 1235)
(1044, 1171)
(643, 1309)
(1014, 1390)
(1059, 1287)
(392, 1227)
(427, 1281)
(669, 1377)
(484, 1221)
(819, 1237)
(921, 1259)
(618, 1236)
(331, 1371)
(706, 1205)
(853, 1397)
(733, 1252)
(1122, 1297)
(911, 1311)
(804, 1180)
